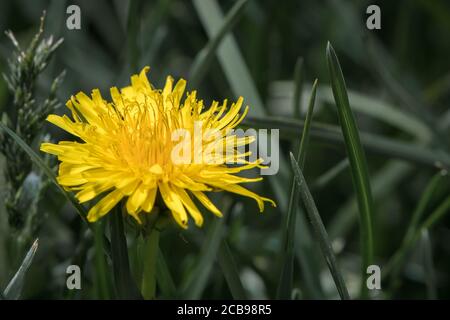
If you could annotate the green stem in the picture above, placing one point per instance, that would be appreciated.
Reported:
(151, 246)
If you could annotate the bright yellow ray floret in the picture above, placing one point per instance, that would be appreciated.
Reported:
(126, 150)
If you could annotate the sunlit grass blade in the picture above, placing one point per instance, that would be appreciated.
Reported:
(306, 128)
(230, 272)
(123, 281)
(164, 278)
(319, 230)
(428, 266)
(195, 283)
(14, 288)
(298, 88)
(358, 165)
(101, 271)
(49, 173)
(286, 278)
(204, 58)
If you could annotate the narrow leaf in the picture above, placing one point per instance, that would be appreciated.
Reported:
(286, 278)
(358, 166)
(376, 144)
(319, 230)
(14, 288)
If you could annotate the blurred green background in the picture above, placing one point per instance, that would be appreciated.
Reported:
(399, 84)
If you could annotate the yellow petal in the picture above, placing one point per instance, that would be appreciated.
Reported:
(104, 205)
(147, 206)
(207, 203)
(174, 203)
(190, 206)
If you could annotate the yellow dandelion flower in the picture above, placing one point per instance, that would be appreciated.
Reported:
(127, 147)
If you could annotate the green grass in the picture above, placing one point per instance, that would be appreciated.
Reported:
(372, 161)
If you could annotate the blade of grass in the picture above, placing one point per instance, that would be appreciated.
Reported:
(195, 283)
(164, 278)
(123, 281)
(230, 272)
(427, 256)
(285, 284)
(412, 152)
(382, 111)
(101, 271)
(205, 56)
(49, 173)
(14, 288)
(319, 230)
(357, 160)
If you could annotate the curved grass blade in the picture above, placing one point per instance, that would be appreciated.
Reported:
(164, 278)
(230, 272)
(204, 58)
(319, 230)
(286, 278)
(123, 281)
(196, 281)
(357, 160)
(14, 288)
